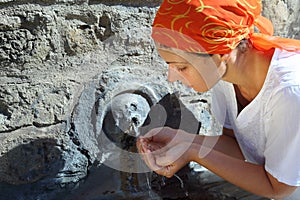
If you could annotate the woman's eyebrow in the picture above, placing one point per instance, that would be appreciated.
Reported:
(175, 62)
(202, 54)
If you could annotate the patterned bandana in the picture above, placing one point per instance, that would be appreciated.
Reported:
(215, 26)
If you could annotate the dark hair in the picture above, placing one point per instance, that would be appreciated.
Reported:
(244, 45)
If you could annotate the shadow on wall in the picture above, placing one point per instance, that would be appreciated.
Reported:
(178, 115)
(28, 166)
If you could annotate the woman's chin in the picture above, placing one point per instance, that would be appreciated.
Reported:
(200, 89)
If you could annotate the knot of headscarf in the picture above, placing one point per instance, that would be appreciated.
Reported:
(215, 26)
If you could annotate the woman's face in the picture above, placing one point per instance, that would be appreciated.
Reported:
(200, 72)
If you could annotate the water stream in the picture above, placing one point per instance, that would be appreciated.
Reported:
(182, 185)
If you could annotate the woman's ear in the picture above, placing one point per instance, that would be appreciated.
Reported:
(222, 69)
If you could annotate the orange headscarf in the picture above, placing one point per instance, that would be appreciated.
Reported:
(215, 26)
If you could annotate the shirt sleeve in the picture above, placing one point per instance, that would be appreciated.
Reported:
(282, 123)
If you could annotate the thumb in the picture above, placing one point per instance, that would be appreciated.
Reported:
(163, 160)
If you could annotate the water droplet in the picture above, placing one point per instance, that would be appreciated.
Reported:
(137, 131)
(150, 192)
(117, 121)
(182, 184)
(186, 193)
(163, 181)
(148, 181)
(180, 180)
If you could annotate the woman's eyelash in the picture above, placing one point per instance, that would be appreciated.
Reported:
(180, 69)
(178, 66)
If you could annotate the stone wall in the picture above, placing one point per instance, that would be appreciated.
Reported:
(284, 15)
(58, 57)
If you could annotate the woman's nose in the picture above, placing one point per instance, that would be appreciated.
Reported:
(173, 75)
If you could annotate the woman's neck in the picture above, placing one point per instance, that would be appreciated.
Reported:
(249, 72)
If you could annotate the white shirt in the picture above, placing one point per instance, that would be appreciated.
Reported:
(268, 129)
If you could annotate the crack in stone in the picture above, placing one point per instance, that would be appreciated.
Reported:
(75, 140)
(33, 125)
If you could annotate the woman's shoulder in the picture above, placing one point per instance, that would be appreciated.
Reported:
(286, 58)
(285, 68)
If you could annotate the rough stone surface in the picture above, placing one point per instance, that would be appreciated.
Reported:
(284, 15)
(62, 62)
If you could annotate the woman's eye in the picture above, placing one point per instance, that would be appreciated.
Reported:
(181, 68)
(178, 66)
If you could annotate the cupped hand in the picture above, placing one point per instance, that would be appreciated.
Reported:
(166, 150)
(174, 158)
(165, 135)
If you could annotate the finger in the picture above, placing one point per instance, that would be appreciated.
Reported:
(167, 171)
(172, 155)
(143, 140)
(142, 151)
(150, 161)
(164, 160)
(145, 144)
(154, 148)
(139, 146)
(142, 144)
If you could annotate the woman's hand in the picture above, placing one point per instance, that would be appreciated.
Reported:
(165, 135)
(166, 150)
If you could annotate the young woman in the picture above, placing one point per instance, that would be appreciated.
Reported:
(255, 82)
